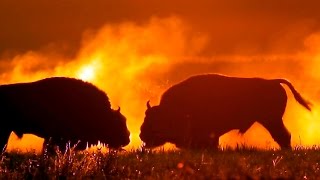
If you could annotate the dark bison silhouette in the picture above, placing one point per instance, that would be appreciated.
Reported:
(61, 109)
(195, 112)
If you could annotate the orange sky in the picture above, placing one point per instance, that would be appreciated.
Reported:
(146, 46)
(245, 26)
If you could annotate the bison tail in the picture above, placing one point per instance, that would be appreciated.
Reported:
(296, 94)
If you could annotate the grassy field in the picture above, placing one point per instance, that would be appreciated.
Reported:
(248, 163)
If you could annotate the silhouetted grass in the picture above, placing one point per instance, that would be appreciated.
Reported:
(249, 163)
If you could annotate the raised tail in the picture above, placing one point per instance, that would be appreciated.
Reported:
(295, 93)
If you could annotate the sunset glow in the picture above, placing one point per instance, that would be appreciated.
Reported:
(134, 63)
(87, 73)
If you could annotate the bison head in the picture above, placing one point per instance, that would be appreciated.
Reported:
(154, 128)
(119, 135)
(112, 130)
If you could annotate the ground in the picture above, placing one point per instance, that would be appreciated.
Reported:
(300, 163)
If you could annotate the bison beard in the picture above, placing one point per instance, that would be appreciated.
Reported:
(61, 109)
(197, 111)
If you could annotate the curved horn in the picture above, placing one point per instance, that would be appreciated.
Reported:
(118, 109)
(148, 104)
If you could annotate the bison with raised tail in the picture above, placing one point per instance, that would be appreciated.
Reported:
(61, 109)
(195, 112)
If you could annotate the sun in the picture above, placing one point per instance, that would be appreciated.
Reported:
(87, 73)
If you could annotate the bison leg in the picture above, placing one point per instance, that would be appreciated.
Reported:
(51, 145)
(205, 142)
(81, 145)
(73, 144)
(279, 133)
(4, 139)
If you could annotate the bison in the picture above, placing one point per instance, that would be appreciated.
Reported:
(61, 109)
(197, 111)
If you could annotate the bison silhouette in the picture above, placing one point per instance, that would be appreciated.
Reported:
(197, 111)
(61, 109)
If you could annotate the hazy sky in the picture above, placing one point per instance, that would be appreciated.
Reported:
(143, 46)
(246, 26)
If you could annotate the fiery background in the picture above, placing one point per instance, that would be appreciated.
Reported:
(135, 50)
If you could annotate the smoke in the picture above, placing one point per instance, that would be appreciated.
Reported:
(128, 61)
(137, 62)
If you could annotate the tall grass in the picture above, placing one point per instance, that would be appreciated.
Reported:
(248, 163)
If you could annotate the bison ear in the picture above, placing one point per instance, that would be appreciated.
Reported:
(148, 104)
(118, 109)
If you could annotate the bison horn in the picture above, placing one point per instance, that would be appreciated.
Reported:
(148, 104)
(119, 109)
